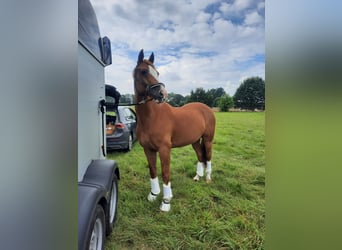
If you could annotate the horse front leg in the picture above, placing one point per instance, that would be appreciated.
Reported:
(152, 163)
(164, 154)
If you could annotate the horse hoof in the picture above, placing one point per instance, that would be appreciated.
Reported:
(165, 207)
(196, 178)
(151, 197)
(208, 180)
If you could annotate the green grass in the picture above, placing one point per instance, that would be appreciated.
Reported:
(228, 213)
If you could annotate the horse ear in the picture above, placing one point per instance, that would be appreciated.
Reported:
(141, 56)
(151, 59)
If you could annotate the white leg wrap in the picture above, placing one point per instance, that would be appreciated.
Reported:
(155, 189)
(200, 167)
(208, 171)
(199, 171)
(167, 191)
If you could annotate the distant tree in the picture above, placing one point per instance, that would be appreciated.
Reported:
(126, 99)
(186, 99)
(225, 102)
(219, 92)
(209, 97)
(216, 95)
(176, 100)
(251, 94)
(199, 95)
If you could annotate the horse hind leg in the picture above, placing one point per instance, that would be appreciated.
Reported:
(208, 172)
(208, 152)
(199, 149)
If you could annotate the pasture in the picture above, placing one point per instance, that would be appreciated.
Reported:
(228, 213)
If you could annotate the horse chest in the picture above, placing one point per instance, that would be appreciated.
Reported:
(153, 137)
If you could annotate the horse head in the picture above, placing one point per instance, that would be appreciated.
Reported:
(146, 81)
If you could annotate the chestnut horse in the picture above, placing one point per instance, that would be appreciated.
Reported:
(162, 127)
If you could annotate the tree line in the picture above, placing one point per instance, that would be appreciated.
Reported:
(250, 95)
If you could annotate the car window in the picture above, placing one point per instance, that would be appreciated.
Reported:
(133, 114)
(129, 115)
(110, 99)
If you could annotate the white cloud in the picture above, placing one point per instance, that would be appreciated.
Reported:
(192, 48)
(226, 7)
(261, 5)
(242, 4)
(254, 19)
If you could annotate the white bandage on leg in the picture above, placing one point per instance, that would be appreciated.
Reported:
(208, 171)
(199, 171)
(167, 191)
(200, 167)
(155, 189)
(167, 196)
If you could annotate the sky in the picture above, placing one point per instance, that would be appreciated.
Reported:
(197, 44)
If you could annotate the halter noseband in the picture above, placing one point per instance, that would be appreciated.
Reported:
(152, 86)
(148, 93)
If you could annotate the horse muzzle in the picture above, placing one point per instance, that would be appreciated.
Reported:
(157, 92)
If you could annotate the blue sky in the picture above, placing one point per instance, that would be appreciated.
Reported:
(208, 44)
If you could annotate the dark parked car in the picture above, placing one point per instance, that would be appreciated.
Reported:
(121, 128)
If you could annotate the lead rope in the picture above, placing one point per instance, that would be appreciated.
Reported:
(138, 103)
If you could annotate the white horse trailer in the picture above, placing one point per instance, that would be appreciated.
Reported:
(97, 177)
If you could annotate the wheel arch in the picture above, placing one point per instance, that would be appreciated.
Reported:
(89, 196)
(94, 189)
(101, 172)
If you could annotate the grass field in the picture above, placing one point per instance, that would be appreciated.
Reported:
(228, 213)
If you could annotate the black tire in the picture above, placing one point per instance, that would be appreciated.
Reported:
(112, 206)
(96, 235)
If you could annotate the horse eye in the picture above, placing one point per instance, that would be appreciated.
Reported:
(144, 72)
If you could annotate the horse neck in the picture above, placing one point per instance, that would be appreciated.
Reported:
(147, 110)
(143, 110)
(148, 113)
(137, 98)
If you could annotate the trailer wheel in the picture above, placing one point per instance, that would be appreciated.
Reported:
(112, 206)
(96, 234)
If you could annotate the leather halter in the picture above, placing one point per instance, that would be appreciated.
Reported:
(148, 88)
(147, 93)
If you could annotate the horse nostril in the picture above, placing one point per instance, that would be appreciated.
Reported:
(161, 94)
